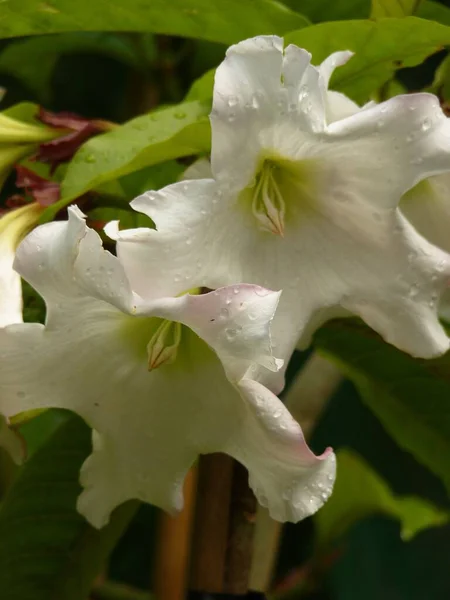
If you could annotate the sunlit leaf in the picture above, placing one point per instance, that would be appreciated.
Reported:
(381, 47)
(216, 21)
(394, 8)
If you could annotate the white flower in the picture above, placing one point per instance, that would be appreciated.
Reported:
(14, 225)
(159, 378)
(305, 206)
(426, 205)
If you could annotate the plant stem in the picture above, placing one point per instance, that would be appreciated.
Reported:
(240, 533)
(211, 523)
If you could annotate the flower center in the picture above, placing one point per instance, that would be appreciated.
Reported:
(267, 200)
(163, 346)
(281, 189)
(158, 341)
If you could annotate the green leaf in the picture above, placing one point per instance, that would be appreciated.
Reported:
(20, 58)
(359, 492)
(441, 81)
(381, 47)
(202, 88)
(394, 8)
(216, 21)
(409, 396)
(47, 550)
(162, 135)
(434, 12)
(324, 10)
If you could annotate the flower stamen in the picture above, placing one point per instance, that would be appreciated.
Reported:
(267, 202)
(163, 346)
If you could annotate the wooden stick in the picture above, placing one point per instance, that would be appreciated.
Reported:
(240, 534)
(210, 539)
(174, 540)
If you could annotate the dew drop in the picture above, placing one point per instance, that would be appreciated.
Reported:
(224, 313)
(180, 115)
(90, 158)
(177, 277)
(255, 102)
(232, 101)
(426, 124)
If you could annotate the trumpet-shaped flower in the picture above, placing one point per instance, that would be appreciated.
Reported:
(426, 205)
(159, 378)
(302, 204)
(14, 225)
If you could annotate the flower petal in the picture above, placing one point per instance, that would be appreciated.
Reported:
(407, 138)
(150, 426)
(261, 97)
(284, 474)
(427, 207)
(13, 226)
(338, 106)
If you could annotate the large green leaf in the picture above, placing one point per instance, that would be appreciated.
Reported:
(47, 550)
(165, 134)
(20, 58)
(359, 492)
(411, 397)
(394, 8)
(381, 47)
(324, 10)
(226, 21)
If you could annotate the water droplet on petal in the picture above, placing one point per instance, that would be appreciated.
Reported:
(232, 101)
(426, 124)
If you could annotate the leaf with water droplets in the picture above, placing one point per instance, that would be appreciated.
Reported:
(146, 140)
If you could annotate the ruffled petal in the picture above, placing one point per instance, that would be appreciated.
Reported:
(336, 59)
(407, 139)
(262, 96)
(284, 474)
(338, 106)
(427, 207)
(150, 426)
